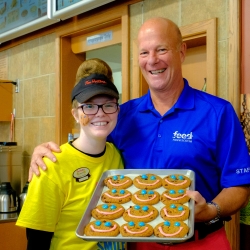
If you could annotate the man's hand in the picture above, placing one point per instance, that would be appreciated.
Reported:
(39, 152)
(203, 211)
(230, 201)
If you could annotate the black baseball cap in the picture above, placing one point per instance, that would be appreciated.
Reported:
(92, 85)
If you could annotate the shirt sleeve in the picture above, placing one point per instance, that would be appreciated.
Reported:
(42, 206)
(232, 152)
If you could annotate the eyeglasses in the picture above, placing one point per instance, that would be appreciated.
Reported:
(92, 109)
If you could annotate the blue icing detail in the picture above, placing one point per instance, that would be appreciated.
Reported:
(113, 191)
(105, 206)
(166, 223)
(152, 177)
(145, 208)
(181, 191)
(177, 224)
(107, 224)
(121, 177)
(98, 223)
(113, 207)
(131, 223)
(144, 191)
(122, 191)
(180, 208)
(144, 176)
(171, 191)
(181, 177)
(141, 224)
(137, 207)
(173, 177)
(172, 206)
(115, 178)
(151, 192)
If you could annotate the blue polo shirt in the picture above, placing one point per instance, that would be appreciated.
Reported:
(200, 132)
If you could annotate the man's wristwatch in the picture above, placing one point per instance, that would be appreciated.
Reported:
(217, 217)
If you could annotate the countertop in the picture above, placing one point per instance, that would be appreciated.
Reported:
(8, 217)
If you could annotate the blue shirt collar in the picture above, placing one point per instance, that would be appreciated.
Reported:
(185, 101)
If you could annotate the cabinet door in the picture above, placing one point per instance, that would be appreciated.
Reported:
(6, 90)
(12, 236)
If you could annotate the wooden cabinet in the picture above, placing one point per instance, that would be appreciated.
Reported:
(6, 106)
(12, 237)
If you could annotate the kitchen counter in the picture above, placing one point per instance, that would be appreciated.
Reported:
(8, 217)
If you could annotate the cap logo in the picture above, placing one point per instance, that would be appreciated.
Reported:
(94, 84)
(95, 81)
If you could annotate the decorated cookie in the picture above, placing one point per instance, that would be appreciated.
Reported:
(109, 211)
(147, 181)
(174, 196)
(139, 213)
(136, 229)
(116, 196)
(174, 211)
(149, 197)
(171, 229)
(176, 181)
(102, 228)
(118, 182)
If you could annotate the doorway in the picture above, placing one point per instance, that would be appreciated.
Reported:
(112, 56)
(105, 37)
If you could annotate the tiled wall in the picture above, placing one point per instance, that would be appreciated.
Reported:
(4, 131)
(34, 64)
(185, 12)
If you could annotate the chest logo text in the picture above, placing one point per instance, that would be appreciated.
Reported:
(182, 137)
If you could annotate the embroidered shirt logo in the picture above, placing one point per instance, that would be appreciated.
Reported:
(182, 137)
(81, 174)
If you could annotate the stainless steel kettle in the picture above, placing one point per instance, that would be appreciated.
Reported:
(23, 195)
(8, 198)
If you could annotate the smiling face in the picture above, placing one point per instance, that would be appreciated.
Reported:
(100, 125)
(161, 53)
(102, 227)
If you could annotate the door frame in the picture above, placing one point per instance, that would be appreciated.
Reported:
(68, 62)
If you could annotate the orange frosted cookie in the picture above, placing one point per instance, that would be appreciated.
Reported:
(118, 182)
(171, 229)
(147, 181)
(176, 181)
(116, 196)
(175, 212)
(108, 211)
(102, 228)
(139, 229)
(140, 213)
(174, 196)
(144, 196)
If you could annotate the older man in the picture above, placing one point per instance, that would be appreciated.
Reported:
(178, 127)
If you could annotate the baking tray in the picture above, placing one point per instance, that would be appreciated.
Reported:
(132, 173)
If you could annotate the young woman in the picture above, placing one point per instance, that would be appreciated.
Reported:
(56, 200)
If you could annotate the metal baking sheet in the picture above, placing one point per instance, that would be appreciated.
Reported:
(132, 173)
